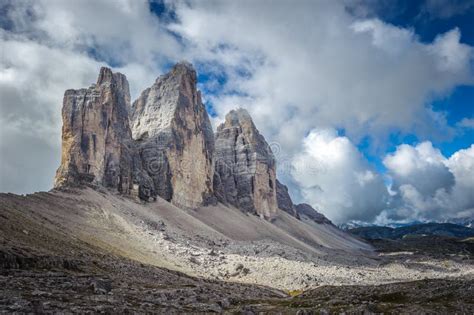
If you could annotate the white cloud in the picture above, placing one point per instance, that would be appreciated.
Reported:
(33, 79)
(452, 55)
(313, 65)
(466, 123)
(429, 186)
(119, 31)
(50, 46)
(393, 40)
(335, 178)
(461, 165)
(422, 167)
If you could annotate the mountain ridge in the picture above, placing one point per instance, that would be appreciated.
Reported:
(163, 145)
(421, 229)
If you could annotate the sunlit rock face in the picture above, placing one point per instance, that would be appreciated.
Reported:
(174, 138)
(245, 166)
(164, 146)
(96, 137)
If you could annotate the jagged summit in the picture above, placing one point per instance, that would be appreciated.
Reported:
(96, 135)
(238, 116)
(175, 138)
(240, 119)
(184, 64)
(245, 166)
(164, 146)
(161, 104)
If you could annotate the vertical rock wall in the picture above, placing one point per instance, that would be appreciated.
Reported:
(284, 200)
(175, 138)
(245, 166)
(96, 137)
(164, 146)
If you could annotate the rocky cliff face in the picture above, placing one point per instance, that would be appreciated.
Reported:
(175, 139)
(305, 210)
(96, 137)
(164, 146)
(284, 200)
(245, 166)
(299, 211)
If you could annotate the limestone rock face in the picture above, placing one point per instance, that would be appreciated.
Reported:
(164, 146)
(284, 200)
(306, 210)
(174, 138)
(96, 137)
(245, 166)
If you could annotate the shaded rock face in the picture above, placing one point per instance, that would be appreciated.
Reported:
(302, 210)
(305, 209)
(284, 200)
(96, 137)
(174, 139)
(245, 166)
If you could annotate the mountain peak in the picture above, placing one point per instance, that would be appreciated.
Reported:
(238, 117)
(105, 75)
(175, 136)
(96, 133)
(245, 166)
(166, 147)
(184, 64)
(180, 69)
(238, 114)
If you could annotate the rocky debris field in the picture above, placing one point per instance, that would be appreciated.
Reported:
(108, 284)
(111, 285)
(272, 264)
(86, 251)
(416, 297)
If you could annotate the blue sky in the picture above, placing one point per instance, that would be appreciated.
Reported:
(460, 103)
(411, 14)
(368, 100)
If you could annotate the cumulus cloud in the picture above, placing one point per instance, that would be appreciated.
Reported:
(336, 179)
(422, 167)
(295, 72)
(461, 165)
(466, 123)
(33, 79)
(51, 46)
(119, 32)
(428, 185)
